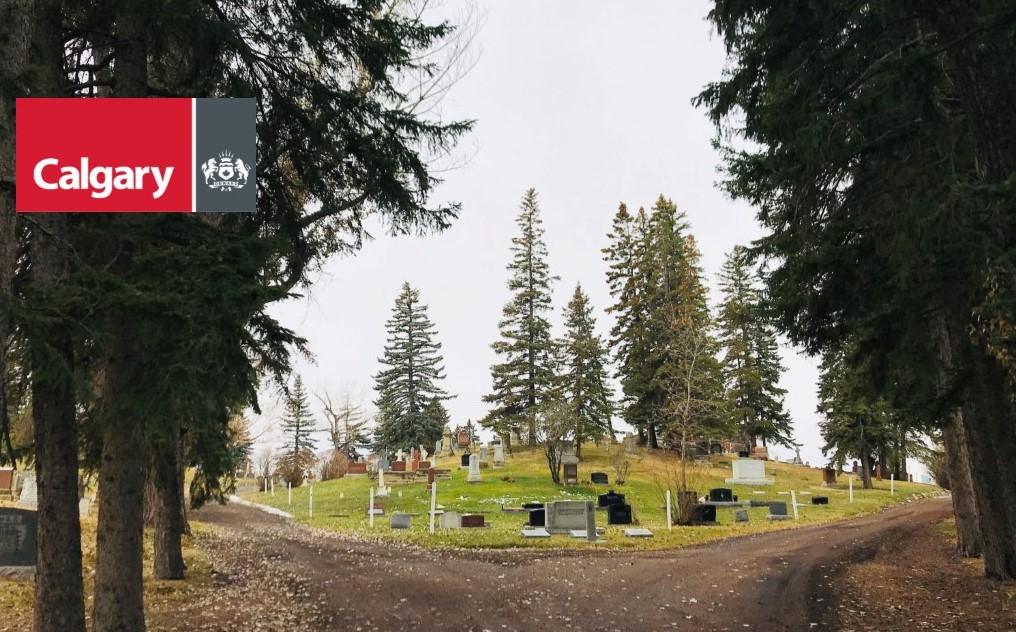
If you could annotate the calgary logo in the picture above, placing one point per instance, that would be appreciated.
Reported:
(225, 173)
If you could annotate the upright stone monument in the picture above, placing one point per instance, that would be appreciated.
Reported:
(474, 469)
(29, 492)
(498, 455)
(749, 472)
(18, 529)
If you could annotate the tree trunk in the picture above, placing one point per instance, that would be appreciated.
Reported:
(167, 509)
(59, 595)
(119, 597)
(968, 536)
(653, 443)
(990, 433)
(865, 468)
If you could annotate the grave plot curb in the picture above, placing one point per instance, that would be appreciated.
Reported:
(265, 508)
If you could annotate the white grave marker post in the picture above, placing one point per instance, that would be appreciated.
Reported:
(669, 522)
(892, 484)
(850, 481)
(289, 488)
(273, 488)
(433, 505)
(310, 503)
(370, 507)
(793, 501)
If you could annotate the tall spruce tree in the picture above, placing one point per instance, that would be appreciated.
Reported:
(298, 430)
(627, 256)
(875, 140)
(407, 386)
(525, 376)
(584, 380)
(751, 361)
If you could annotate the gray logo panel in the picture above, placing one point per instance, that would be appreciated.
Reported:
(225, 156)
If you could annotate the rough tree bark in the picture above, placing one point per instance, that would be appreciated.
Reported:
(59, 595)
(167, 510)
(968, 535)
(119, 596)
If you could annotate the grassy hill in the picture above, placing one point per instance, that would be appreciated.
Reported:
(341, 504)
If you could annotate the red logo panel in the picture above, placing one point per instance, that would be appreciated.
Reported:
(103, 155)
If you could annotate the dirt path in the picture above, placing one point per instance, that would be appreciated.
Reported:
(276, 575)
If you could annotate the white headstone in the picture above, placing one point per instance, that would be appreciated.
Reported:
(29, 493)
(474, 469)
(749, 472)
(382, 490)
(537, 532)
(450, 520)
(638, 533)
(498, 455)
(564, 516)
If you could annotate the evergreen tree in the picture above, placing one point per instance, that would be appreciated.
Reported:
(408, 383)
(883, 181)
(298, 430)
(626, 256)
(751, 361)
(584, 372)
(525, 376)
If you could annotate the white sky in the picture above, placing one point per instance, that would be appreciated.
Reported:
(588, 102)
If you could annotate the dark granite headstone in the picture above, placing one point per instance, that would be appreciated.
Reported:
(532, 505)
(703, 514)
(18, 528)
(538, 517)
(610, 498)
(571, 473)
(464, 461)
(820, 500)
(598, 478)
(721, 495)
(472, 521)
(619, 514)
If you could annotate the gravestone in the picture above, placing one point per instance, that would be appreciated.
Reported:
(571, 473)
(423, 466)
(638, 533)
(7, 481)
(498, 455)
(464, 460)
(528, 506)
(450, 520)
(538, 517)
(631, 444)
(472, 521)
(820, 500)
(564, 516)
(382, 489)
(399, 466)
(741, 515)
(610, 498)
(400, 455)
(439, 448)
(569, 454)
(483, 453)
(357, 467)
(400, 521)
(598, 478)
(464, 439)
(778, 511)
(29, 492)
(721, 495)
(383, 465)
(703, 515)
(18, 532)
(749, 472)
(474, 469)
(829, 476)
(619, 514)
(535, 533)
(760, 451)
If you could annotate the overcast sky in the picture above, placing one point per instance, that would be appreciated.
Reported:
(588, 102)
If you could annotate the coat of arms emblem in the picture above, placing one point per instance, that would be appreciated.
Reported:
(226, 172)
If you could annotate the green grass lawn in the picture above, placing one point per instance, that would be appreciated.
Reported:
(341, 505)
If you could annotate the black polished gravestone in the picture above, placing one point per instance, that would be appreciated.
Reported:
(820, 500)
(538, 517)
(721, 495)
(464, 462)
(610, 498)
(703, 514)
(598, 478)
(619, 514)
(18, 529)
